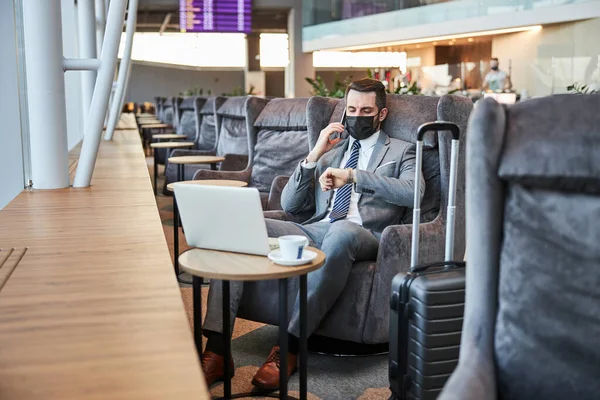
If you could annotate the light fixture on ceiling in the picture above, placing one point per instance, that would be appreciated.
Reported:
(435, 39)
(470, 40)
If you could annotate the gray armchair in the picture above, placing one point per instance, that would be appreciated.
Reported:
(361, 314)
(190, 120)
(158, 106)
(168, 110)
(177, 111)
(532, 314)
(277, 142)
(171, 116)
(207, 140)
(230, 124)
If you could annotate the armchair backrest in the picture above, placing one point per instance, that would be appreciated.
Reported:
(190, 119)
(208, 124)
(406, 113)
(533, 190)
(168, 111)
(177, 111)
(278, 138)
(158, 106)
(231, 126)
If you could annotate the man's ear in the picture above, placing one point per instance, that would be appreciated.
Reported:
(383, 114)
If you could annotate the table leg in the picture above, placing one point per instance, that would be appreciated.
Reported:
(176, 236)
(283, 339)
(227, 339)
(180, 178)
(303, 338)
(155, 170)
(197, 299)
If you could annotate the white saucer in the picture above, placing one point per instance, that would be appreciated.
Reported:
(307, 256)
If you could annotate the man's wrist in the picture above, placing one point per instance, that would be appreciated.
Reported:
(312, 158)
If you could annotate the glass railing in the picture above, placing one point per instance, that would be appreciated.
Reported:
(357, 16)
(542, 77)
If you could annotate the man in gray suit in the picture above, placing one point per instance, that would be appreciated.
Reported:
(355, 187)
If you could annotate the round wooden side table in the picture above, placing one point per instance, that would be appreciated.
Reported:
(228, 266)
(153, 125)
(166, 145)
(168, 136)
(170, 188)
(147, 126)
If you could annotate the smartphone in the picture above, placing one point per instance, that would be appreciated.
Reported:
(339, 134)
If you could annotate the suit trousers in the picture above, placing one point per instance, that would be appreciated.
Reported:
(343, 243)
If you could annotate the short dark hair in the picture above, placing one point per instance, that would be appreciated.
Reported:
(370, 85)
(494, 59)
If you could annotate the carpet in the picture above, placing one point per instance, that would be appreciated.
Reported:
(329, 378)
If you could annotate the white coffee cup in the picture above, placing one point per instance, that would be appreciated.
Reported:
(292, 246)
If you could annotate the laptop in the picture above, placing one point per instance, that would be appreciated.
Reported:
(223, 218)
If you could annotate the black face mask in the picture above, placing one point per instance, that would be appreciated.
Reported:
(495, 68)
(361, 127)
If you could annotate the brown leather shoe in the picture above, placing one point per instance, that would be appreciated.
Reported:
(213, 366)
(267, 376)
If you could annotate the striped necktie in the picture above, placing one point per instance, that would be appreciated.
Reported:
(341, 202)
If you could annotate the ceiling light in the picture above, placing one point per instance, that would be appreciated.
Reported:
(434, 39)
(470, 39)
(362, 59)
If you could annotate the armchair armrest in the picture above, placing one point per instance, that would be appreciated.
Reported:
(274, 202)
(243, 176)
(393, 257)
(473, 379)
(185, 152)
(286, 216)
(234, 162)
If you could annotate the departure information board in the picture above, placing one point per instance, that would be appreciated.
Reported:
(215, 15)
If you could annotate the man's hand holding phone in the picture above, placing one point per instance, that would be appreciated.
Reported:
(328, 138)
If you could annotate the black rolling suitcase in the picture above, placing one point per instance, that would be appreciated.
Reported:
(427, 303)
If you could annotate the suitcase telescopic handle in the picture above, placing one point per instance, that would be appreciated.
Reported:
(421, 131)
(438, 126)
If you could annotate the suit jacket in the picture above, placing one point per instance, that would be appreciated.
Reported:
(386, 186)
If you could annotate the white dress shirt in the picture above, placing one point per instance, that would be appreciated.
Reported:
(364, 156)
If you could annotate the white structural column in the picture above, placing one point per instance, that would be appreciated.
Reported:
(100, 23)
(117, 101)
(93, 130)
(46, 94)
(86, 22)
(301, 64)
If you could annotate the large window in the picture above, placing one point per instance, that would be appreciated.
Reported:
(208, 50)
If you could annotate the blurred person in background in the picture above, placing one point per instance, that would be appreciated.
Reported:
(496, 80)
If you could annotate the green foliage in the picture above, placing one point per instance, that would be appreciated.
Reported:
(411, 89)
(578, 88)
(239, 91)
(195, 91)
(319, 88)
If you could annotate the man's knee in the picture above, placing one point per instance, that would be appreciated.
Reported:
(343, 234)
(276, 228)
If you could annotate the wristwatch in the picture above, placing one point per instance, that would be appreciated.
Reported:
(351, 179)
